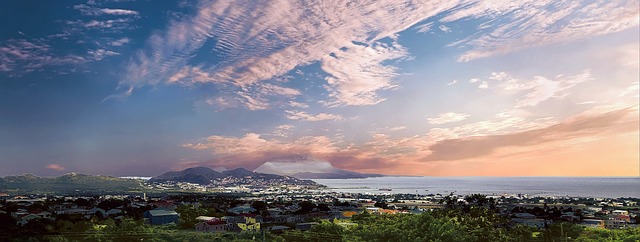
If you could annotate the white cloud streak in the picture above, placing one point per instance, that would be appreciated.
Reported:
(301, 115)
(450, 117)
(353, 42)
(18, 56)
(120, 42)
(100, 54)
(540, 88)
(266, 39)
(94, 11)
(531, 23)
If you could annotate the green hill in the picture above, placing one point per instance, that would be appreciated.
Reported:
(71, 183)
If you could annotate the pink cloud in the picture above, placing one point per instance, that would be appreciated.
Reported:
(419, 154)
(55, 167)
(579, 127)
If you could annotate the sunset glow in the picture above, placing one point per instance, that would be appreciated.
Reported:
(434, 88)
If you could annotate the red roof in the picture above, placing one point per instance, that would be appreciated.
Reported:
(163, 203)
(623, 217)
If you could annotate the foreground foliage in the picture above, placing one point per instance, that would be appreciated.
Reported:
(474, 219)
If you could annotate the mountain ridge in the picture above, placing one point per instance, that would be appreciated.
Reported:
(204, 175)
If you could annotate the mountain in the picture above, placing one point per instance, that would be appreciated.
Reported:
(200, 175)
(310, 170)
(68, 184)
(204, 176)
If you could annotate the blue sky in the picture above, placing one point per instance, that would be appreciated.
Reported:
(451, 88)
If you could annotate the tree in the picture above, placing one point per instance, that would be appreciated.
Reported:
(381, 204)
(596, 235)
(305, 207)
(81, 202)
(328, 228)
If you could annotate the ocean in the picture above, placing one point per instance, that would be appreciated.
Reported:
(597, 187)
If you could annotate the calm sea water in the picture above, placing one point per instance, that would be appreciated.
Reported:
(611, 187)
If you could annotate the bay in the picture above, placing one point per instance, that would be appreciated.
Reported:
(597, 187)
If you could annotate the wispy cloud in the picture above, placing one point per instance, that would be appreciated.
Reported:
(18, 56)
(528, 23)
(588, 127)
(283, 130)
(357, 73)
(444, 118)
(267, 39)
(398, 128)
(444, 28)
(423, 28)
(280, 35)
(110, 25)
(633, 89)
(100, 54)
(94, 11)
(55, 167)
(540, 88)
(301, 115)
(477, 140)
(120, 42)
(295, 104)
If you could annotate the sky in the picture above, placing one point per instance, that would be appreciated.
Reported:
(433, 88)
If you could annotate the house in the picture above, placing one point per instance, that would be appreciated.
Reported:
(257, 218)
(212, 226)
(25, 219)
(373, 209)
(94, 210)
(44, 214)
(620, 212)
(250, 224)
(617, 221)
(205, 218)
(537, 223)
(278, 229)
(524, 215)
(159, 216)
(275, 211)
(114, 211)
(593, 223)
(167, 205)
(294, 219)
(242, 209)
(305, 226)
(232, 219)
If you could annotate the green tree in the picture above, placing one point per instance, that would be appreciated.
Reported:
(607, 235)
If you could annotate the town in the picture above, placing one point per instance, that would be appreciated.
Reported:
(227, 208)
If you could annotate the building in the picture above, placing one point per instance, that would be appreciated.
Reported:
(617, 221)
(212, 226)
(593, 223)
(250, 224)
(524, 215)
(305, 226)
(158, 216)
(620, 212)
(167, 205)
(531, 222)
(242, 209)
